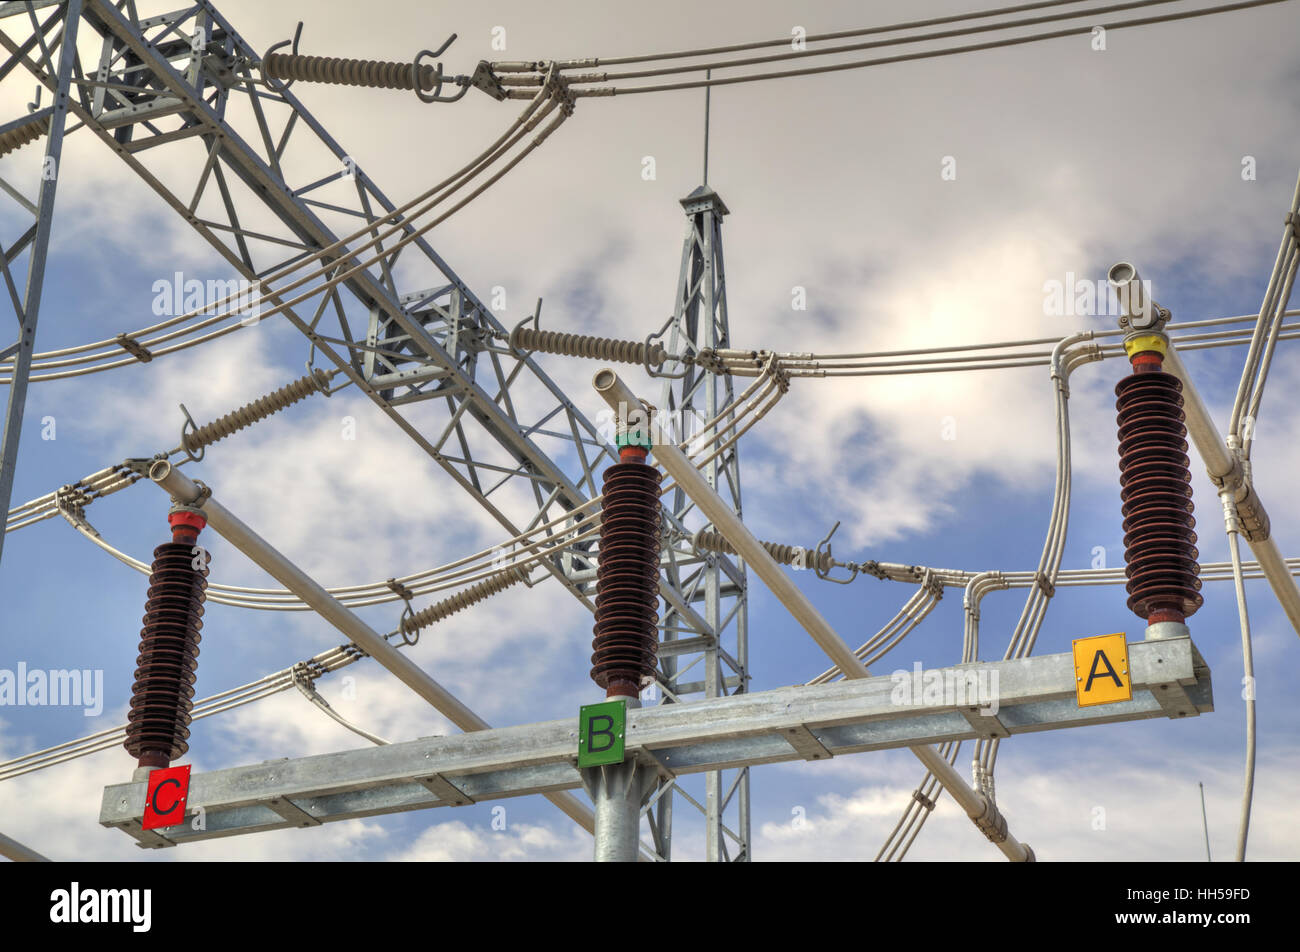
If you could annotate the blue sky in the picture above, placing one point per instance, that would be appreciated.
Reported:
(1068, 159)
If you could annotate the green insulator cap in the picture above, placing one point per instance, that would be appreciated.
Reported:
(634, 437)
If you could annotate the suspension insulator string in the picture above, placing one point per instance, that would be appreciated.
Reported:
(626, 632)
(162, 697)
(21, 135)
(714, 541)
(376, 74)
(1160, 545)
(201, 437)
(582, 345)
(411, 624)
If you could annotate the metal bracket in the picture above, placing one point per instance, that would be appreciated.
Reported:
(291, 812)
(486, 80)
(806, 744)
(987, 725)
(444, 789)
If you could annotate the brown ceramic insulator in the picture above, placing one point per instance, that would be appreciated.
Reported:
(163, 694)
(627, 581)
(1160, 544)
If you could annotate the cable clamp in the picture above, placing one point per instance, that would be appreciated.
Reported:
(922, 799)
(991, 822)
(205, 493)
(1044, 584)
(71, 504)
(873, 568)
(1292, 221)
(405, 625)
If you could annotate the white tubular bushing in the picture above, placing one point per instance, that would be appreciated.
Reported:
(1220, 464)
(1139, 310)
(676, 464)
(1200, 425)
(229, 527)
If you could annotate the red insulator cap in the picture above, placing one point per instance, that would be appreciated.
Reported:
(632, 454)
(186, 525)
(1147, 360)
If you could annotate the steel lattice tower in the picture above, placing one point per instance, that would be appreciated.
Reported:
(716, 581)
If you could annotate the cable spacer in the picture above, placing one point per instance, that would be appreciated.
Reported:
(922, 799)
(1044, 584)
(134, 348)
(1292, 220)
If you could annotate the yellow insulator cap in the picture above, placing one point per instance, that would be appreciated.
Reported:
(1146, 342)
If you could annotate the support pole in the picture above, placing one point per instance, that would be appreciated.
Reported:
(618, 791)
(228, 526)
(978, 807)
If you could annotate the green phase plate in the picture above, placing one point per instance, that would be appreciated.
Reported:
(601, 733)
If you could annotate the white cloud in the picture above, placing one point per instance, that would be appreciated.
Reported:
(457, 842)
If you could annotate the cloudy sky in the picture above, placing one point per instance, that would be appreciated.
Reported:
(1067, 159)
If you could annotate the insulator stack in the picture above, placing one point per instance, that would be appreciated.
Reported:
(376, 74)
(627, 580)
(461, 600)
(158, 725)
(1160, 544)
(234, 421)
(20, 136)
(581, 345)
(715, 541)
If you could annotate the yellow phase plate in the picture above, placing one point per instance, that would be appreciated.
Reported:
(1101, 674)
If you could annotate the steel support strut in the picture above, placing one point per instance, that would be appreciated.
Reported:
(28, 312)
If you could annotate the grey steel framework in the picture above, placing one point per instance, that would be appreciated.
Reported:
(181, 84)
(717, 581)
